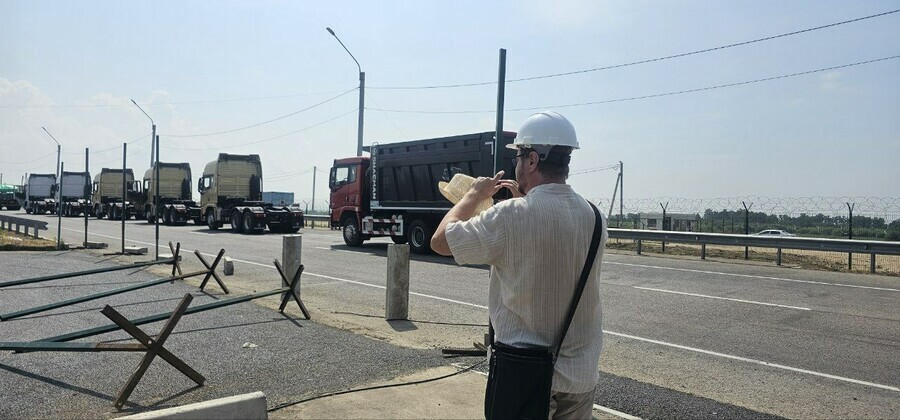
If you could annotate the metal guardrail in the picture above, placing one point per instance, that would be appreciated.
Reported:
(309, 219)
(849, 246)
(7, 222)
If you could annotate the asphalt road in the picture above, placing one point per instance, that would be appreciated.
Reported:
(683, 338)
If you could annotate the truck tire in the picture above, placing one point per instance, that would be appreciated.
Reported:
(247, 223)
(237, 222)
(419, 237)
(111, 213)
(351, 233)
(400, 240)
(211, 222)
(167, 217)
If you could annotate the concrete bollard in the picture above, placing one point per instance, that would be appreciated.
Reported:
(228, 266)
(397, 297)
(291, 247)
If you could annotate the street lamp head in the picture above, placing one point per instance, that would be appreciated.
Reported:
(330, 31)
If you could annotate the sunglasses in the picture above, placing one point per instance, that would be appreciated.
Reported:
(522, 153)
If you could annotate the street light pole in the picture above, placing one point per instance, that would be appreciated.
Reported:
(154, 151)
(362, 96)
(58, 155)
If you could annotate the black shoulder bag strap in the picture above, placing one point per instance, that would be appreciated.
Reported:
(588, 264)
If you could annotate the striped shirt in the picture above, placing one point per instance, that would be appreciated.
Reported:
(537, 246)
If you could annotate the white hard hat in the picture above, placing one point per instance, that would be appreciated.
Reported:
(547, 128)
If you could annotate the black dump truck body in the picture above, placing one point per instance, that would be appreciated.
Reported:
(396, 192)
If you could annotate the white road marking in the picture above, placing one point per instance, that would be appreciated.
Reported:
(753, 276)
(614, 412)
(633, 337)
(722, 298)
(337, 250)
(759, 362)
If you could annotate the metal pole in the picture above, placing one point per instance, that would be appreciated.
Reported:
(59, 213)
(124, 192)
(612, 202)
(747, 226)
(87, 189)
(362, 109)
(850, 235)
(156, 193)
(621, 193)
(501, 98)
(152, 145)
(663, 224)
(314, 190)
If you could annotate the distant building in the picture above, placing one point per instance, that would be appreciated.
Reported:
(679, 222)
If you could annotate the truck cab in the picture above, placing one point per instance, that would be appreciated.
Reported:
(39, 193)
(176, 204)
(107, 194)
(231, 191)
(74, 193)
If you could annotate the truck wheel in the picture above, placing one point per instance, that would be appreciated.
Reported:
(399, 240)
(247, 222)
(237, 223)
(198, 221)
(419, 237)
(352, 236)
(211, 220)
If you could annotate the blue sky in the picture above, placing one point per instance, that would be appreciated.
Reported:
(201, 67)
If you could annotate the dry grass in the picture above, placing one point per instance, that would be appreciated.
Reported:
(11, 241)
(814, 260)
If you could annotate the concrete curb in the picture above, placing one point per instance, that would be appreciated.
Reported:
(245, 406)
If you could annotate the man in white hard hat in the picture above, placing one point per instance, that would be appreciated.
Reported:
(537, 244)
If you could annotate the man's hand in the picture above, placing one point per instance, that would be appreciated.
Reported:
(484, 188)
(513, 187)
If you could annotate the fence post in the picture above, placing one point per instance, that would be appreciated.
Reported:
(59, 208)
(639, 247)
(663, 225)
(850, 235)
(778, 257)
(291, 250)
(702, 251)
(872, 263)
(397, 296)
(746, 227)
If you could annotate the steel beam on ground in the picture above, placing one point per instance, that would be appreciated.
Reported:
(82, 299)
(159, 317)
(85, 272)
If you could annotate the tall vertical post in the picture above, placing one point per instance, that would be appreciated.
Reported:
(124, 191)
(152, 144)
(621, 193)
(58, 212)
(291, 247)
(612, 202)
(747, 227)
(362, 109)
(397, 297)
(156, 193)
(314, 191)
(501, 97)
(850, 207)
(58, 154)
(87, 193)
(663, 223)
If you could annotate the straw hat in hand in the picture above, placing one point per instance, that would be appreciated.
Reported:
(458, 186)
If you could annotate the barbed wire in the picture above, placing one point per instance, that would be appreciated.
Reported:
(788, 206)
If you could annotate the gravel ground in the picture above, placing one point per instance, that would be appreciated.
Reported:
(292, 359)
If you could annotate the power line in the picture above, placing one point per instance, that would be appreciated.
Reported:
(28, 161)
(196, 102)
(634, 63)
(109, 148)
(264, 122)
(657, 95)
(266, 139)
